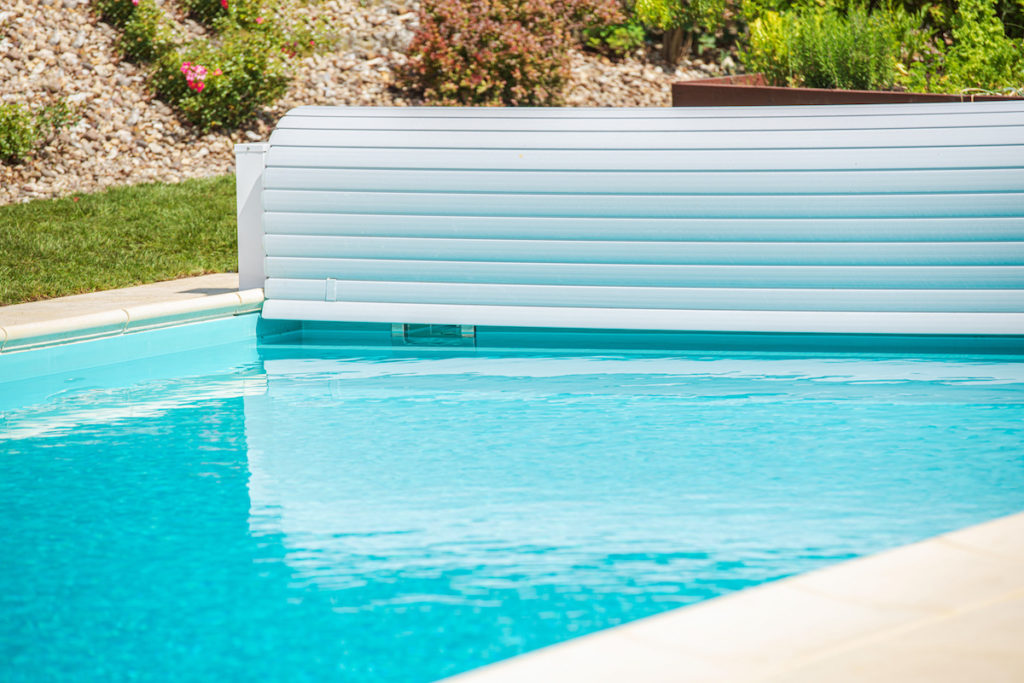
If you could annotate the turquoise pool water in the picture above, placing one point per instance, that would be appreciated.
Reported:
(297, 513)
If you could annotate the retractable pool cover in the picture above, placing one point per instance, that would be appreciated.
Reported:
(899, 219)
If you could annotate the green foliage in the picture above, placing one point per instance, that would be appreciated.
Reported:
(616, 39)
(247, 14)
(22, 130)
(222, 86)
(982, 56)
(679, 17)
(118, 238)
(17, 132)
(147, 34)
(222, 81)
(263, 16)
(206, 12)
(52, 118)
(114, 12)
(690, 15)
(824, 47)
(939, 14)
(494, 52)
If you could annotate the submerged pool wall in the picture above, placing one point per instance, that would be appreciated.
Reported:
(873, 219)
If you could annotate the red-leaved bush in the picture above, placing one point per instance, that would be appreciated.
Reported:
(499, 52)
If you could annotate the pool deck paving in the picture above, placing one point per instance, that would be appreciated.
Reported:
(947, 609)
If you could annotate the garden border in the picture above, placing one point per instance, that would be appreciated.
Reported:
(751, 90)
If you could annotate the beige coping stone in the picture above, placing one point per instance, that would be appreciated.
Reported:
(164, 313)
(982, 643)
(79, 328)
(98, 302)
(950, 608)
(121, 311)
(251, 297)
(1004, 537)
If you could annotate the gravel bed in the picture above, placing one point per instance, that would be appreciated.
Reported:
(51, 48)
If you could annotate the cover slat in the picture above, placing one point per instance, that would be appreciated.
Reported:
(810, 230)
(866, 277)
(644, 206)
(652, 124)
(727, 320)
(945, 156)
(647, 182)
(642, 114)
(682, 253)
(1000, 300)
(657, 140)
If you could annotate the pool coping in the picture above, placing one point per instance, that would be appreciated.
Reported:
(950, 608)
(161, 309)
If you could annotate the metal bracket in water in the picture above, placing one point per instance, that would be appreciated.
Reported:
(414, 334)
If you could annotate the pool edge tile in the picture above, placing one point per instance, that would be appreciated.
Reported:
(622, 659)
(250, 298)
(64, 330)
(977, 643)
(1003, 537)
(125, 320)
(933, 575)
(165, 313)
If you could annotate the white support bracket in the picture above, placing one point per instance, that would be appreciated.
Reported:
(250, 160)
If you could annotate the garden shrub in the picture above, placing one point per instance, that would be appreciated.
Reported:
(614, 39)
(494, 52)
(982, 58)
(147, 34)
(216, 82)
(114, 12)
(206, 12)
(22, 130)
(52, 118)
(982, 55)
(824, 47)
(678, 18)
(222, 86)
(17, 132)
(254, 15)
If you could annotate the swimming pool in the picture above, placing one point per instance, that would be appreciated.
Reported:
(310, 511)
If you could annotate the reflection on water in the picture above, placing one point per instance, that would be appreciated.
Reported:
(382, 516)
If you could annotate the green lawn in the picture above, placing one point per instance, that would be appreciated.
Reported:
(121, 237)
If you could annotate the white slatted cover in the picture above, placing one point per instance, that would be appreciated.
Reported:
(902, 219)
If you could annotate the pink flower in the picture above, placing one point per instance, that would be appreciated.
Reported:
(224, 4)
(259, 20)
(194, 75)
(135, 2)
(218, 72)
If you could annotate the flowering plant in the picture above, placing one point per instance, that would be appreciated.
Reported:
(221, 80)
(194, 75)
(225, 84)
